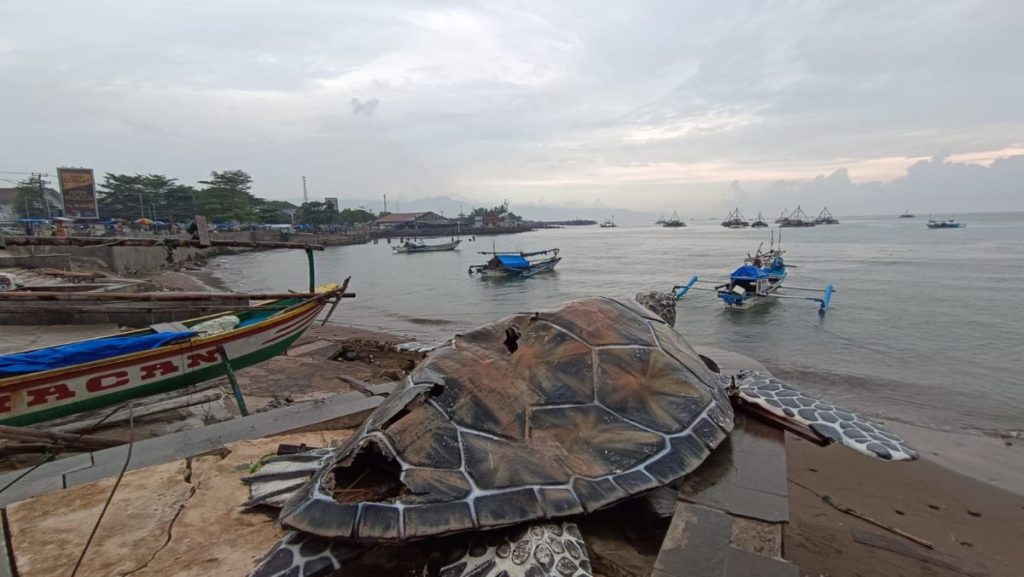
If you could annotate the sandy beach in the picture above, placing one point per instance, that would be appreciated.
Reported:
(965, 496)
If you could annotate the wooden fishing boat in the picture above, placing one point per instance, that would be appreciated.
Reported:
(516, 264)
(825, 217)
(42, 384)
(759, 222)
(756, 282)
(907, 214)
(673, 222)
(796, 219)
(610, 223)
(947, 223)
(411, 246)
(735, 220)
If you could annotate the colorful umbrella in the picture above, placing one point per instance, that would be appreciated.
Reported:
(143, 221)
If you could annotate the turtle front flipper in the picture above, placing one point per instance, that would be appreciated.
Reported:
(280, 477)
(783, 402)
(304, 555)
(526, 550)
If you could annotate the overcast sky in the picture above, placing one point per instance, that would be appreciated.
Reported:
(692, 106)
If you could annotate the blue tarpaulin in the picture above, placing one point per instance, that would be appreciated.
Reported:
(748, 272)
(84, 352)
(513, 261)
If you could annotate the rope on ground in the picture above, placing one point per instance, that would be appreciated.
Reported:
(110, 497)
(854, 513)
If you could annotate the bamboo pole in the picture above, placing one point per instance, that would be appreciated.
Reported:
(33, 435)
(154, 241)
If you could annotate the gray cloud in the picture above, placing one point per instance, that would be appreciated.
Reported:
(654, 105)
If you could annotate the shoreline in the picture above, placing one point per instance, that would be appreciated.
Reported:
(987, 458)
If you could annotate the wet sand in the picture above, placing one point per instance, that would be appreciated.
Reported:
(962, 516)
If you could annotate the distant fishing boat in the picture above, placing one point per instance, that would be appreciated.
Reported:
(661, 220)
(796, 219)
(410, 246)
(673, 222)
(825, 217)
(516, 264)
(610, 223)
(947, 223)
(759, 222)
(906, 214)
(756, 282)
(42, 384)
(735, 220)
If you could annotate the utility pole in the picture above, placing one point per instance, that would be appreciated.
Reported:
(142, 208)
(305, 195)
(385, 203)
(42, 194)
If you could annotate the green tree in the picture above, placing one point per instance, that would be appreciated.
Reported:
(120, 196)
(272, 211)
(31, 199)
(153, 196)
(178, 203)
(355, 216)
(226, 196)
(317, 213)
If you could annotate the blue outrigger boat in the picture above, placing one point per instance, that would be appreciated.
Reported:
(756, 282)
(516, 264)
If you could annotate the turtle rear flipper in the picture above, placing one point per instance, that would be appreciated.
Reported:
(305, 555)
(784, 403)
(524, 551)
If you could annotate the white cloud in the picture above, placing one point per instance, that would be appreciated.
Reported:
(621, 103)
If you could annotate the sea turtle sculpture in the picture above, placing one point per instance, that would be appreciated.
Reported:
(526, 423)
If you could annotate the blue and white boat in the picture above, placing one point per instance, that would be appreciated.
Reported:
(516, 264)
(757, 281)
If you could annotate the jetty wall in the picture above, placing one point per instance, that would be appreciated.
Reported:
(122, 260)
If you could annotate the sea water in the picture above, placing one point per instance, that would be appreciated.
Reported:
(926, 326)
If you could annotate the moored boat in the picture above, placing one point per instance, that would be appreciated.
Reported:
(516, 264)
(610, 223)
(825, 217)
(759, 222)
(42, 384)
(796, 219)
(673, 222)
(945, 223)
(906, 214)
(735, 220)
(411, 246)
(755, 282)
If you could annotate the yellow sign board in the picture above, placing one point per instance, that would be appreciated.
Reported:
(78, 185)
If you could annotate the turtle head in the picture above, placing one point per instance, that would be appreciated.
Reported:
(659, 303)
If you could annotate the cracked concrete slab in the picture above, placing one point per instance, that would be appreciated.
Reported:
(158, 523)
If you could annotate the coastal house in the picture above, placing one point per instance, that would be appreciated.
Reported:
(411, 221)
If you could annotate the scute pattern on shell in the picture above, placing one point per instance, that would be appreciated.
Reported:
(824, 418)
(597, 403)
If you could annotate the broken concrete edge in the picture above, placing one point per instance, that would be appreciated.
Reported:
(343, 410)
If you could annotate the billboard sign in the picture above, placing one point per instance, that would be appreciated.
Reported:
(78, 186)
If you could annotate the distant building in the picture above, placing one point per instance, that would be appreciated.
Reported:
(332, 203)
(10, 210)
(411, 221)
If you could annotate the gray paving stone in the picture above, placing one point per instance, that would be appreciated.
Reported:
(108, 462)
